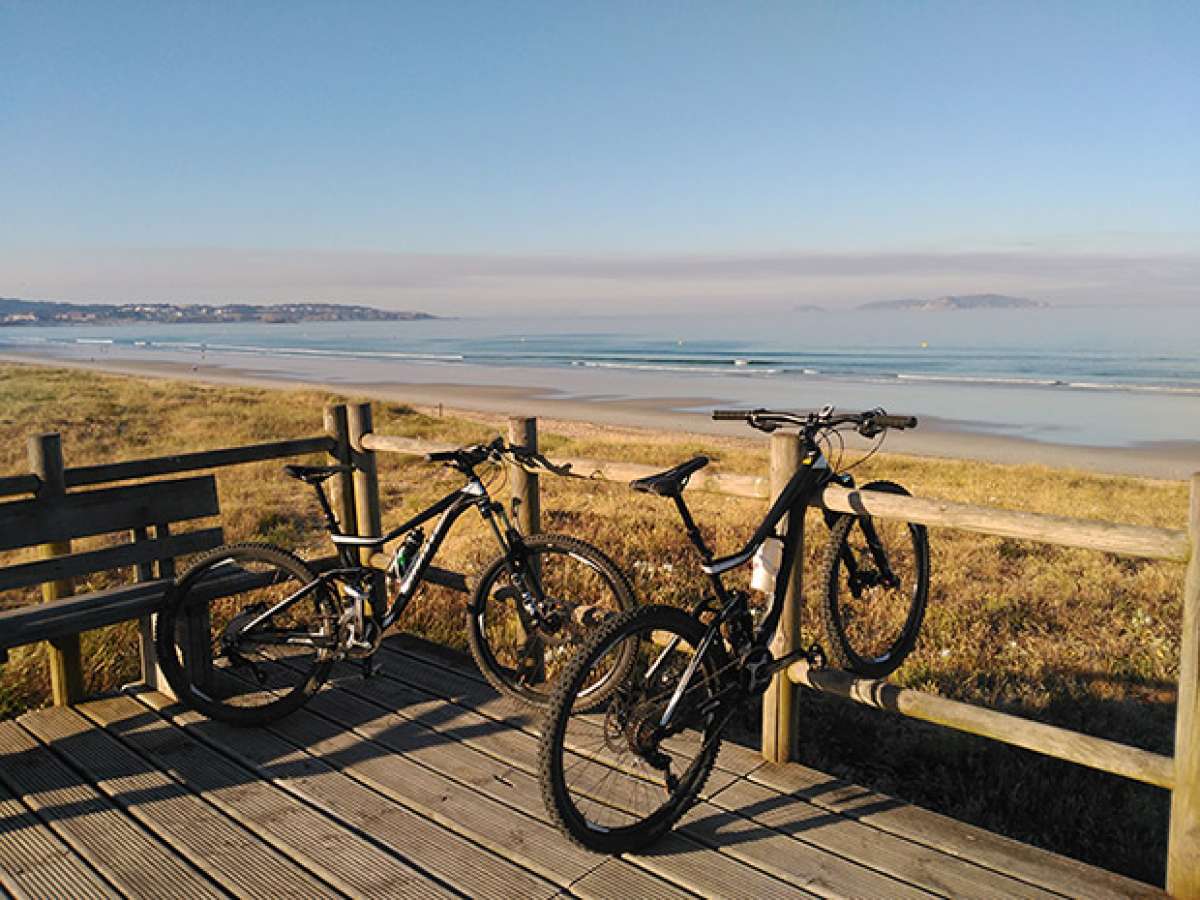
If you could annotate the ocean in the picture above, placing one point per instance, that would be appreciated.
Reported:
(1094, 376)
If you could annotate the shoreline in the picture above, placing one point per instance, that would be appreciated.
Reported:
(935, 438)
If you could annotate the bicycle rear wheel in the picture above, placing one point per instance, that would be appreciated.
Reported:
(228, 649)
(876, 586)
(613, 781)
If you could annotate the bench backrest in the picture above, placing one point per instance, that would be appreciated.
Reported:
(143, 511)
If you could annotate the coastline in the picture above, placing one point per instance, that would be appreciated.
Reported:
(572, 410)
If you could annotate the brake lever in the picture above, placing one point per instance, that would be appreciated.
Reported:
(762, 424)
(870, 430)
(538, 460)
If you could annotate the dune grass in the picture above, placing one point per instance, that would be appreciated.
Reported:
(1082, 639)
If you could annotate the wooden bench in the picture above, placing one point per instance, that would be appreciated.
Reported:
(144, 514)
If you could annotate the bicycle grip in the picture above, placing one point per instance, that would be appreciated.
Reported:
(730, 415)
(886, 421)
(441, 456)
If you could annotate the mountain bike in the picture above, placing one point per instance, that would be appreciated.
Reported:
(251, 631)
(616, 779)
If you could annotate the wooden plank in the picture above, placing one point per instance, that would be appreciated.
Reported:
(516, 782)
(338, 855)
(12, 485)
(1183, 843)
(698, 869)
(520, 770)
(83, 612)
(895, 857)
(617, 878)
(422, 663)
(911, 823)
(805, 865)
(78, 476)
(27, 522)
(392, 768)
(91, 825)
(1061, 743)
(416, 731)
(226, 852)
(1107, 537)
(35, 863)
(106, 558)
(1031, 865)
(414, 835)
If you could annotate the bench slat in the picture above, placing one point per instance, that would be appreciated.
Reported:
(26, 523)
(130, 554)
(71, 615)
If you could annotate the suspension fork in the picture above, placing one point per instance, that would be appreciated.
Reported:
(874, 544)
(521, 570)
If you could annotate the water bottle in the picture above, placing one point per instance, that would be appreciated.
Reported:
(766, 564)
(403, 558)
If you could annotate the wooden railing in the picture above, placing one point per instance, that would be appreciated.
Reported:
(1179, 774)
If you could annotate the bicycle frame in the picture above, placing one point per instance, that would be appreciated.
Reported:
(449, 508)
(814, 473)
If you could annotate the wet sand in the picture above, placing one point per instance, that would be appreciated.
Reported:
(569, 410)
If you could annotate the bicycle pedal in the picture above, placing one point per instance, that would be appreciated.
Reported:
(370, 668)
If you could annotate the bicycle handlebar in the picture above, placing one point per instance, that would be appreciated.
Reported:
(476, 454)
(869, 423)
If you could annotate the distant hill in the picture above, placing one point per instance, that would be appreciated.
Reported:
(45, 312)
(963, 301)
(808, 308)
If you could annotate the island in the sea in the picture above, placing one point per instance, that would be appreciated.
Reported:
(46, 312)
(964, 301)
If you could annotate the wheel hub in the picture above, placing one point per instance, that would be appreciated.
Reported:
(233, 631)
(643, 735)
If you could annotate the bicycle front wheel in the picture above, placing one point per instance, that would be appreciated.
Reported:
(876, 586)
(578, 587)
(616, 780)
(247, 634)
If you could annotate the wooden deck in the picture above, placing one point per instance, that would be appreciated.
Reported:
(421, 783)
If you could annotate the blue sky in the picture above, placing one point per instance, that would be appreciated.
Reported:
(599, 156)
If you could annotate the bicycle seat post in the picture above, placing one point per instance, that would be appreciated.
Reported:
(331, 522)
(689, 524)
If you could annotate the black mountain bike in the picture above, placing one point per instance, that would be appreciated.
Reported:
(617, 779)
(250, 631)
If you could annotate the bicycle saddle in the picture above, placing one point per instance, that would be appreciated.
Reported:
(671, 482)
(314, 474)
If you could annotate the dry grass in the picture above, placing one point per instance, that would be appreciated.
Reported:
(1081, 639)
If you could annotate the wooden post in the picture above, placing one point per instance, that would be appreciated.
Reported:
(1183, 841)
(526, 499)
(366, 475)
(66, 666)
(151, 672)
(337, 426)
(779, 719)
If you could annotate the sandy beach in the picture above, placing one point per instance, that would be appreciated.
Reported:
(569, 406)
